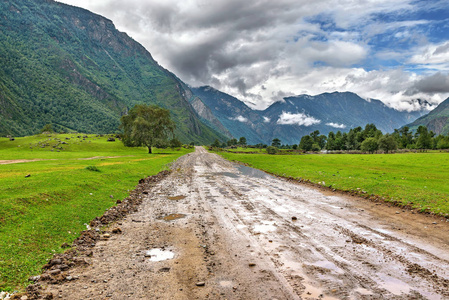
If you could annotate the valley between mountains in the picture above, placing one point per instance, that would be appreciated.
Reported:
(216, 230)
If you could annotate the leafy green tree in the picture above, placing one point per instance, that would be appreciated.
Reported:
(175, 143)
(232, 142)
(369, 145)
(272, 150)
(370, 131)
(216, 143)
(306, 143)
(242, 141)
(424, 138)
(316, 147)
(387, 143)
(147, 126)
(443, 142)
(276, 142)
(47, 128)
(314, 135)
(330, 144)
(321, 141)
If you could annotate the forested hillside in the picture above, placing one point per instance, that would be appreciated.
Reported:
(67, 66)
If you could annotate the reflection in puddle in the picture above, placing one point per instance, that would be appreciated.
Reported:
(265, 227)
(325, 264)
(157, 254)
(228, 174)
(172, 217)
(253, 172)
(393, 285)
(363, 291)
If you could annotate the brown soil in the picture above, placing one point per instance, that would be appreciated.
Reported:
(236, 233)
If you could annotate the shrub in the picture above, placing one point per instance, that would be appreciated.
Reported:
(272, 150)
(92, 168)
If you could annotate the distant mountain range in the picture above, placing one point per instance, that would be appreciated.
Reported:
(437, 120)
(294, 117)
(67, 66)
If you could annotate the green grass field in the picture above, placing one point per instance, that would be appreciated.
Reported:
(416, 179)
(65, 190)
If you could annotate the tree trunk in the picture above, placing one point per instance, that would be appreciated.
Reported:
(149, 150)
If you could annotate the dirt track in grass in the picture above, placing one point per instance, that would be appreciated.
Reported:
(225, 231)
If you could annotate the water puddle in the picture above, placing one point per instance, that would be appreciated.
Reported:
(265, 227)
(158, 254)
(251, 172)
(325, 264)
(394, 285)
(363, 292)
(176, 198)
(172, 217)
(227, 174)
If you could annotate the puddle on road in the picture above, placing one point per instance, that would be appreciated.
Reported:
(158, 254)
(251, 172)
(246, 171)
(172, 217)
(394, 285)
(265, 227)
(227, 174)
(363, 292)
(325, 264)
(180, 197)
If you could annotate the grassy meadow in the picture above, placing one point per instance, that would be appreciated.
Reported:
(416, 179)
(72, 179)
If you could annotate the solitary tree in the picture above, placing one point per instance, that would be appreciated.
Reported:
(242, 141)
(276, 142)
(147, 126)
(47, 128)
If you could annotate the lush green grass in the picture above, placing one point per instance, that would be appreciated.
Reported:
(64, 191)
(416, 179)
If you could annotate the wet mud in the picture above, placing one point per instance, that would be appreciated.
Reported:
(238, 233)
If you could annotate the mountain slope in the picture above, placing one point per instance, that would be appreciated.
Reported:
(294, 117)
(236, 116)
(67, 66)
(437, 120)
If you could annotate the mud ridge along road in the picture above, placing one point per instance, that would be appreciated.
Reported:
(216, 230)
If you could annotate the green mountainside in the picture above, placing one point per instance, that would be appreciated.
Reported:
(67, 66)
(437, 120)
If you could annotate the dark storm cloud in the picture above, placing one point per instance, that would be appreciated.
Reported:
(437, 83)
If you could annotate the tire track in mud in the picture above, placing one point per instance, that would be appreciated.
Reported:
(366, 270)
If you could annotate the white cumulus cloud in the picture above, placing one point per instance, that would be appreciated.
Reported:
(266, 119)
(336, 125)
(240, 119)
(300, 119)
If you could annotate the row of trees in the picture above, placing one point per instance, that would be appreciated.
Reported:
(371, 139)
(368, 139)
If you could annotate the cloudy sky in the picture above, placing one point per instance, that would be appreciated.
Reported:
(263, 50)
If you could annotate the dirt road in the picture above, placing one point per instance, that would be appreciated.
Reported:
(225, 231)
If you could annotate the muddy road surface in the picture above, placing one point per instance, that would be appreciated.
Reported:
(217, 230)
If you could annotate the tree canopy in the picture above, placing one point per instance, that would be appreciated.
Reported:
(147, 126)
